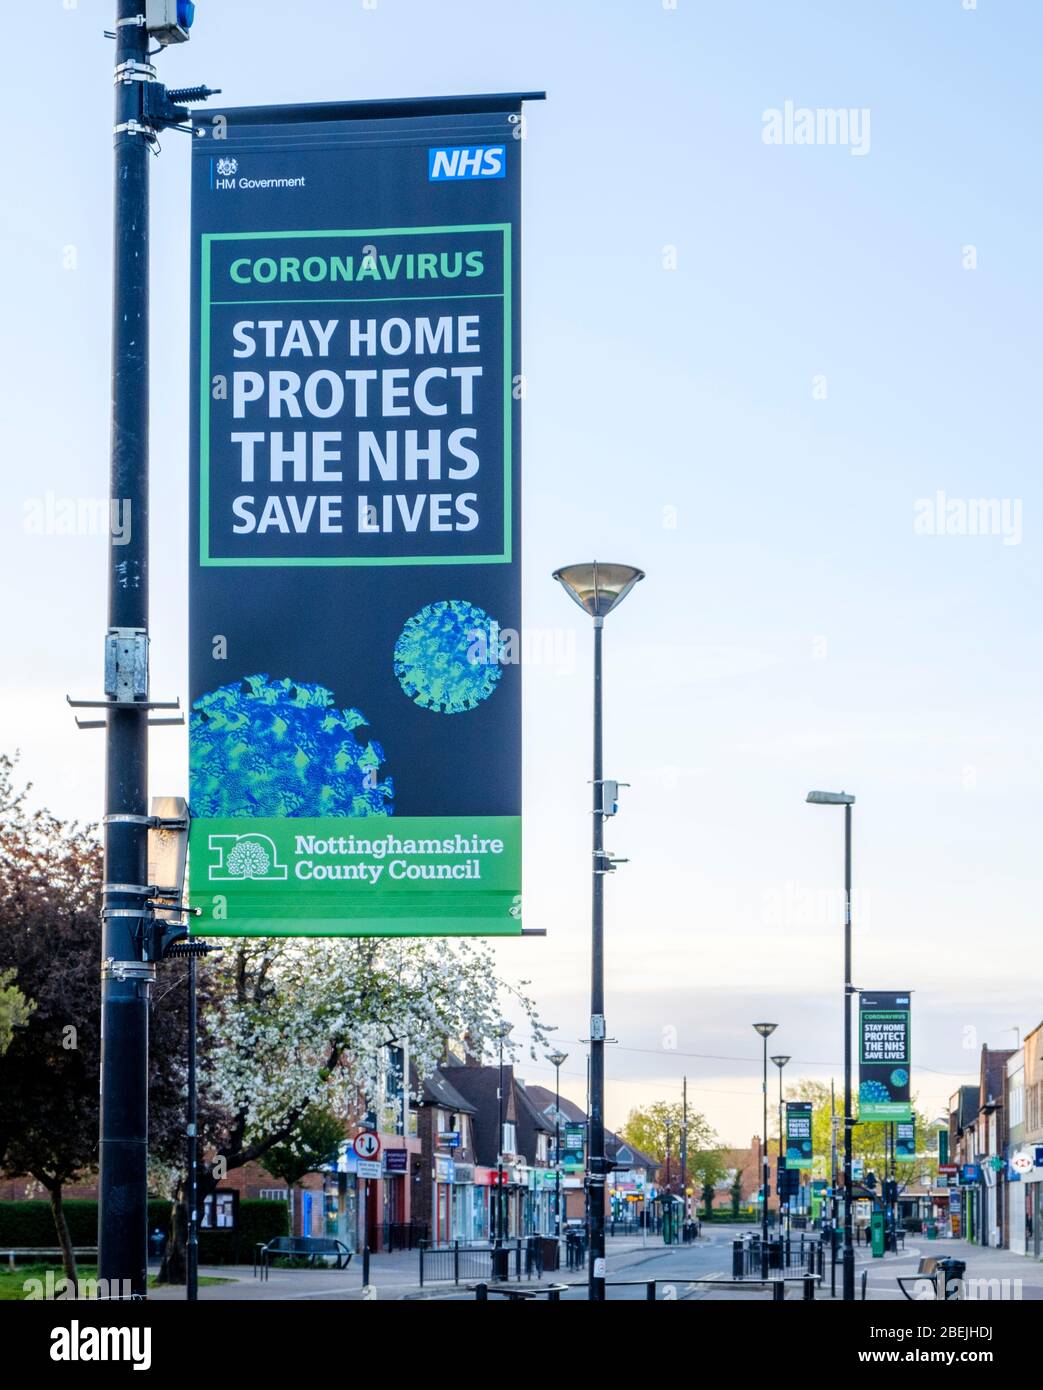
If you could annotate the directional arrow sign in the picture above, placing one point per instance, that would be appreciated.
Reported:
(367, 1145)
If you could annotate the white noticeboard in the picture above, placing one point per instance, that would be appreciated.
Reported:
(367, 1169)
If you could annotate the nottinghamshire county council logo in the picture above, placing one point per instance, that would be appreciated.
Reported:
(227, 167)
(244, 856)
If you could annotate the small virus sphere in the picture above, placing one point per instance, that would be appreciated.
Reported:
(447, 657)
(873, 1090)
(263, 747)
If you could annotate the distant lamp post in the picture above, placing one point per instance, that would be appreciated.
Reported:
(847, 801)
(765, 1030)
(503, 1033)
(780, 1062)
(598, 588)
(557, 1061)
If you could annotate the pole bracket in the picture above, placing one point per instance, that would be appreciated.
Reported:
(132, 71)
(128, 970)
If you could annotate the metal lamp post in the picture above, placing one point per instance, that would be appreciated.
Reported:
(557, 1061)
(780, 1062)
(847, 801)
(598, 588)
(765, 1030)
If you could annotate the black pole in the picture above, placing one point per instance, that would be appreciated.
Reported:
(782, 1151)
(125, 977)
(765, 1168)
(684, 1151)
(833, 1204)
(849, 1249)
(500, 1231)
(596, 1161)
(192, 1248)
(557, 1146)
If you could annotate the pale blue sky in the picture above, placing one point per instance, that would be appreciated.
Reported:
(793, 631)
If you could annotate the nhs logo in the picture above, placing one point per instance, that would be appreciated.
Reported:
(467, 162)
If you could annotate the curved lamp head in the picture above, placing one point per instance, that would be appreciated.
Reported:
(831, 798)
(596, 587)
(780, 1062)
(557, 1059)
(765, 1029)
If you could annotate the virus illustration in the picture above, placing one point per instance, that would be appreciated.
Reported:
(447, 657)
(871, 1091)
(249, 860)
(265, 747)
(899, 1076)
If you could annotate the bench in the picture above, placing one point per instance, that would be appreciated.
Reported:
(930, 1268)
(39, 1253)
(310, 1248)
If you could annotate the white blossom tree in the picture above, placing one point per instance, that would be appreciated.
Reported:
(292, 1023)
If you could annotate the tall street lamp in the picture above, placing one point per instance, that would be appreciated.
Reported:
(780, 1062)
(765, 1030)
(598, 588)
(557, 1061)
(503, 1032)
(847, 801)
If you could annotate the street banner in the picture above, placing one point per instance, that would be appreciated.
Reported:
(799, 1152)
(355, 605)
(883, 1075)
(905, 1139)
(573, 1147)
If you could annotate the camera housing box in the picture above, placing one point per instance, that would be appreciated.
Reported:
(162, 20)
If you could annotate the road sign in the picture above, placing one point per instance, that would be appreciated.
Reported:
(368, 1169)
(367, 1146)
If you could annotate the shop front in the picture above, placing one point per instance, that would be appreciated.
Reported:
(340, 1205)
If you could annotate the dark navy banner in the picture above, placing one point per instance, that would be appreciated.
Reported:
(883, 1056)
(355, 595)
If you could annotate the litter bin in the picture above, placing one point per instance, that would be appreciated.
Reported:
(952, 1272)
(501, 1263)
(549, 1252)
(932, 1231)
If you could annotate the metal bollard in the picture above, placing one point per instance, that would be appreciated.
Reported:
(365, 1266)
(809, 1289)
(650, 1291)
(778, 1291)
(738, 1259)
(481, 1293)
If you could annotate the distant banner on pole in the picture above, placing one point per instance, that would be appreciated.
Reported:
(799, 1143)
(355, 599)
(884, 1061)
(905, 1139)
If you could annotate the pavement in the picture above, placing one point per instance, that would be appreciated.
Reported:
(699, 1272)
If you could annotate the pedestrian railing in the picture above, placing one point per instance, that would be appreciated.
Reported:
(405, 1235)
(787, 1257)
(461, 1262)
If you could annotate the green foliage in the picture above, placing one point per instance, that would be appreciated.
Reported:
(656, 1130)
(868, 1140)
(313, 1143)
(14, 1008)
(31, 1223)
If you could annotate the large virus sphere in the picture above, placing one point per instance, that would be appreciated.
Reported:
(873, 1091)
(282, 748)
(447, 657)
(899, 1076)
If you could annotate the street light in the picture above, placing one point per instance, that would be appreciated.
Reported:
(847, 801)
(597, 588)
(765, 1030)
(502, 1032)
(557, 1061)
(780, 1062)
